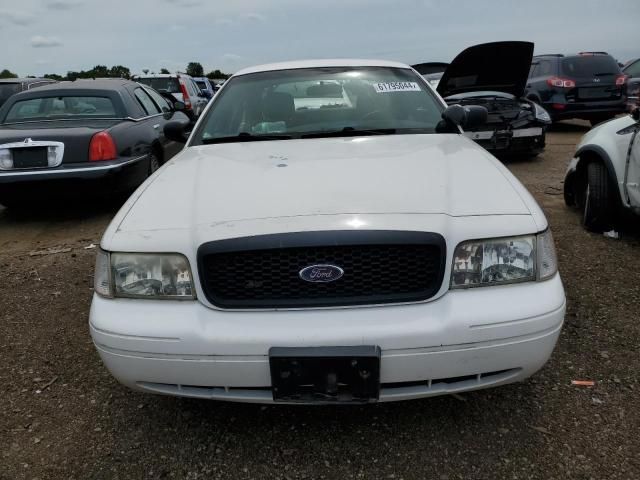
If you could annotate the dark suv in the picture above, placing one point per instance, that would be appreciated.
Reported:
(9, 86)
(589, 86)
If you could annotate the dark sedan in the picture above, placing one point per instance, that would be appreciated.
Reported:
(88, 138)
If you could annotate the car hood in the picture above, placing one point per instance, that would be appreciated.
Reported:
(498, 66)
(397, 174)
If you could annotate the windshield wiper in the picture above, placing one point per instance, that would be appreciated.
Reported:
(350, 132)
(245, 137)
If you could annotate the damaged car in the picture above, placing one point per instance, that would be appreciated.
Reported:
(603, 177)
(494, 76)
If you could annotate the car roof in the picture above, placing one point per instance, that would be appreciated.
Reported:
(87, 84)
(162, 75)
(25, 80)
(341, 62)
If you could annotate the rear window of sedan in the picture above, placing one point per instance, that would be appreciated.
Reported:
(61, 107)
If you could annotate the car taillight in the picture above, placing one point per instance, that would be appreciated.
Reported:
(185, 95)
(620, 79)
(560, 82)
(102, 147)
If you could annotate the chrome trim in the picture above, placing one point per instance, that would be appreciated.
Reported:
(28, 143)
(12, 173)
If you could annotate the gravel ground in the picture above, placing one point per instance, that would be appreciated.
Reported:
(63, 416)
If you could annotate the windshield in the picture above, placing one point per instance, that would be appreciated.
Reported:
(45, 108)
(201, 84)
(589, 66)
(162, 84)
(316, 102)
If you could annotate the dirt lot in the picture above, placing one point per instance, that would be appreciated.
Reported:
(63, 416)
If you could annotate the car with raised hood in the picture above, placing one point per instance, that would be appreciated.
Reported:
(327, 235)
(11, 86)
(588, 86)
(82, 139)
(431, 71)
(603, 178)
(182, 87)
(494, 75)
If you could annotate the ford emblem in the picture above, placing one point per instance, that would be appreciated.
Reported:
(321, 273)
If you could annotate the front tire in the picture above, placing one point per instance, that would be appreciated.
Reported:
(598, 205)
(154, 163)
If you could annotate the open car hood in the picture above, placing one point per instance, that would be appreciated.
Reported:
(430, 67)
(497, 66)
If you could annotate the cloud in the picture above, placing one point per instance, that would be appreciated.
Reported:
(44, 42)
(17, 17)
(255, 17)
(176, 28)
(231, 58)
(63, 4)
(224, 22)
(185, 3)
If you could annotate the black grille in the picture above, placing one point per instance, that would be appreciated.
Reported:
(379, 267)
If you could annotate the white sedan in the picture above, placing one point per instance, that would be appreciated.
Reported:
(313, 251)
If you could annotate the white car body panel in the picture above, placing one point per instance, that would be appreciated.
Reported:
(605, 137)
(441, 183)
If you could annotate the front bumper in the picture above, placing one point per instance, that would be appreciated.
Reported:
(465, 340)
(530, 139)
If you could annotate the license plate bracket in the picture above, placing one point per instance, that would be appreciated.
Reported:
(30, 157)
(325, 374)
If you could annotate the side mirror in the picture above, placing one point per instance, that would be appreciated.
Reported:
(176, 131)
(635, 114)
(466, 117)
(179, 106)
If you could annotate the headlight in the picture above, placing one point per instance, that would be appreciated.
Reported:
(143, 275)
(499, 261)
(541, 114)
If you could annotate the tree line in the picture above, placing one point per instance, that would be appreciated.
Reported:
(193, 69)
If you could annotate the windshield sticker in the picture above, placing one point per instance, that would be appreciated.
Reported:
(386, 87)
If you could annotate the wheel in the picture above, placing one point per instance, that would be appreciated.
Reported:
(154, 163)
(598, 205)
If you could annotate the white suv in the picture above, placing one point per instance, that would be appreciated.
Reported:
(603, 178)
(181, 86)
(327, 235)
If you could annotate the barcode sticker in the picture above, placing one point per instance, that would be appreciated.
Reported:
(388, 87)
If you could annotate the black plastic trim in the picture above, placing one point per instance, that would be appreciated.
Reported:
(322, 239)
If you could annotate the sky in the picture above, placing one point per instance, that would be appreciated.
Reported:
(54, 36)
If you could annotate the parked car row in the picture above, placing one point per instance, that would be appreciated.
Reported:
(525, 93)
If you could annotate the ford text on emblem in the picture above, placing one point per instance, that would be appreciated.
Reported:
(321, 273)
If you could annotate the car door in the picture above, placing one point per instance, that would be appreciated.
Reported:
(632, 172)
(198, 97)
(170, 147)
